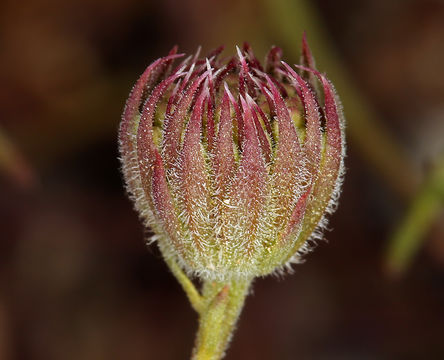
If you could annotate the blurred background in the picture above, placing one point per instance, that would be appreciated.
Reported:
(76, 279)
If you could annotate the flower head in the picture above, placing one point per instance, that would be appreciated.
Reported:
(233, 165)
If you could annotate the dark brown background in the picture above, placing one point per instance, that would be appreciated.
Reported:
(77, 282)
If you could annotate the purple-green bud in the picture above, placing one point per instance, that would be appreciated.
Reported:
(231, 164)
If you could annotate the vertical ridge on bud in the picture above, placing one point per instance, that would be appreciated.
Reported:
(224, 162)
(263, 139)
(128, 138)
(210, 135)
(174, 127)
(240, 122)
(288, 162)
(193, 179)
(307, 60)
(312, 143)
(163, 204)
(145, 142)
(245, 201)
(326, 187)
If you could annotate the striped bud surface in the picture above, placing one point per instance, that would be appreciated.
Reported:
(233, 165)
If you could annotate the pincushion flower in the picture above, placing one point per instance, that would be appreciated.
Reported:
(233, 165)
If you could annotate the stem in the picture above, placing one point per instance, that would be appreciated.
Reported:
(218, 307)
(423, 211)
(196, 300)
(224, 302)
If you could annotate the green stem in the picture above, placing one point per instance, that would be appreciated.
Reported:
(196, 300)
(224, 302)
(424, 210)
(218, 306)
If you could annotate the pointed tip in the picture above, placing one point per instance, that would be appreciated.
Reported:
(174, 50)
(197, 54)
(239, 53)
(209, 71)
(230, 95)
(174, 56)
(302, 67)
(242, 60)
(250, 102)
(255, 80)
(249, 99)
(189, 72)
(267, 77)
(181, 70)
(293, 73)
(306, 52)
(136, 94)
(243, 102)
(267, 92)
(290, 70)
(322, 78)
(274, 89)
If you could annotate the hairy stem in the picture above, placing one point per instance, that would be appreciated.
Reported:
(224, 302)
(218, 306)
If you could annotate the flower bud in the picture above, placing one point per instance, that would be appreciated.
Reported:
(233, 165)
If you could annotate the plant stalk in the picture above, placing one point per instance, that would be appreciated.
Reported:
(224, 302)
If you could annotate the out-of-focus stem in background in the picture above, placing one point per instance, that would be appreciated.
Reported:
(423, 212)
(365, 131)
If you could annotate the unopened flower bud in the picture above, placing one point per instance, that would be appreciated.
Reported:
(233, 165)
